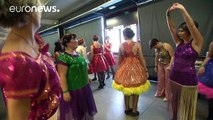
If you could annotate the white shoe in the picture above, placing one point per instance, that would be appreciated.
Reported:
(165, 99)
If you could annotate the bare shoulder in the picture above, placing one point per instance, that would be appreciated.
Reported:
(211, 45)
(121, 45)
(138, 44)
(167, 46)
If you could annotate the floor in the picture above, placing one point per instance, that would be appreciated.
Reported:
(110, 105)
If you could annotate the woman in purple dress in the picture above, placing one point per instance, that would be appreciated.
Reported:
(205, 84)
(27, 74)
(183, 76)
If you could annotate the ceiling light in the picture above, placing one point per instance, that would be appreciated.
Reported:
(112, 7)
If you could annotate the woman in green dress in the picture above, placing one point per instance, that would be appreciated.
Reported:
(77, 101)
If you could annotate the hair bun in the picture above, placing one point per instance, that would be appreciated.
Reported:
(129, 33)
(95, 37)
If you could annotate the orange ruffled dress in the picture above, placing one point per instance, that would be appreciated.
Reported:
(130, 77)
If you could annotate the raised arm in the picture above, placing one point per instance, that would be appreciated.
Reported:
(172, 28)
(196, 35)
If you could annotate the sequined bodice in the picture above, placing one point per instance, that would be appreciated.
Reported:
(22, 76)
(183, 70)
(128, 49)
(163, 56)
(184, 57)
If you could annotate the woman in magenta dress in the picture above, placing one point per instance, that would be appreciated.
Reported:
(205, 77)
(99, 62)
(183, 77)
(27, 74)
(109, 56)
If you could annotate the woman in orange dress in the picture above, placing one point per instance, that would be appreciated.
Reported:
(131, 76)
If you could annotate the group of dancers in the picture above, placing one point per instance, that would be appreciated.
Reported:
(32, 84)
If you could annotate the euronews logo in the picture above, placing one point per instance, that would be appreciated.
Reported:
(33, 9)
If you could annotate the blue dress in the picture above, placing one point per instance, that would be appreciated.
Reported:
(206, 80)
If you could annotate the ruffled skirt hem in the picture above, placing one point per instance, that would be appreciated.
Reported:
(132, 90)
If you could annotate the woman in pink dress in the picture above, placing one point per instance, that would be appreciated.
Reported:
(27, 74)
(205, 77)
(109, 56)
(99, 62)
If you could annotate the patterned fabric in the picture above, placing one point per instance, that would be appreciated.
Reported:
(183, 69)
(76, 64)
(163, 56)
(184, 101)
(131, 75)
(108, 55)
(22, 76)
(99, 62)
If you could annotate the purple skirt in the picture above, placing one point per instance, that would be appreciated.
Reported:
(81, 107)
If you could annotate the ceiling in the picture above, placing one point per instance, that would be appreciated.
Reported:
(69, 7)
(74, 9)
(65, 6)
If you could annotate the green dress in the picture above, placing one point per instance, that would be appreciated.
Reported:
(77, 74)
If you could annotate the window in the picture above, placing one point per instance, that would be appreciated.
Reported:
(116, 35)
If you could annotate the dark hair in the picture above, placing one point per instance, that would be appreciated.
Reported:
(81, 41)
(66, 39)
(185, 27)
(8, 18)
(95, 38)
(153, 42)
(107, 37)
(128, 33)
(58, 47)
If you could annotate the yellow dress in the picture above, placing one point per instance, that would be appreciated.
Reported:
(131, 77)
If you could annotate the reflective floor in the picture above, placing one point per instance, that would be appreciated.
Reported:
(110, 105)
